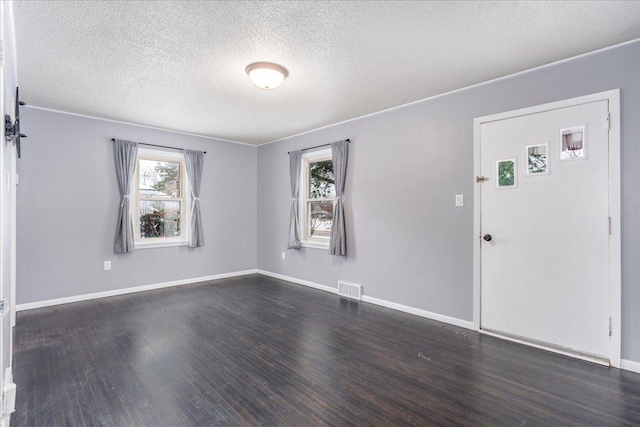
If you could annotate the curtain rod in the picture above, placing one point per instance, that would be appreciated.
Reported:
(322, 145)
(156, 145)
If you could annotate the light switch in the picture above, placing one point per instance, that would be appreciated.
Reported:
(459, 200)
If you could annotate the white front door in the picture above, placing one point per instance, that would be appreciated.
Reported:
(544, 216)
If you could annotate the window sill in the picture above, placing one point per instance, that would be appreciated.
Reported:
(315, 245)
(153, 245)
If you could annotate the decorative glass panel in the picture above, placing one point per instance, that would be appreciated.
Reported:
(159, 179)
(159, 219)
(321, 184)
(320, 215)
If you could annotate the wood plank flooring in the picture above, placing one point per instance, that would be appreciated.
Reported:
(255, 351)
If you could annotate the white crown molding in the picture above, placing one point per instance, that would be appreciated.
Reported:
(551, 64)
(508, 76)
(138, 125)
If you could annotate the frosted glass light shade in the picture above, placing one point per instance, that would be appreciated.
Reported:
(266, 75)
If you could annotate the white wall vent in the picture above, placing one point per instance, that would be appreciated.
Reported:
(350, 290)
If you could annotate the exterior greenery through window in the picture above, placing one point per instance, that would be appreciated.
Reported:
(160, 198)
(318, 196)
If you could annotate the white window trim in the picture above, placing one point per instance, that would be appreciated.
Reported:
(184, 215)
(310, 157)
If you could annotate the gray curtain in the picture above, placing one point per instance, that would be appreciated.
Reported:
(295, 161)
(339, 157)
(194, 161)
(126, 154)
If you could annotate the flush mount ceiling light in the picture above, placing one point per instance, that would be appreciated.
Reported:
(266, 75)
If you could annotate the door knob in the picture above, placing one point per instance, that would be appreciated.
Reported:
(487, 237)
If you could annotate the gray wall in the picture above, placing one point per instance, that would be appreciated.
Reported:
(408, 243)
(68, 204)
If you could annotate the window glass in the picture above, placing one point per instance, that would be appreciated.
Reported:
(320, 216)
(319, 195)
(159, 218)
(321, 184)
(161, 208)
(159, 179)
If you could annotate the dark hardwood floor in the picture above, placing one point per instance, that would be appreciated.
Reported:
(259, 351)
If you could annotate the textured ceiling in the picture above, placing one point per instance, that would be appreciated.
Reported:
(180, 65)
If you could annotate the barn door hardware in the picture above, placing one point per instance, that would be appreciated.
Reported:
(12, 133)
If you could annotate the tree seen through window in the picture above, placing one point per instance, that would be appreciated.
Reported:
(322, 191)
(160, 198)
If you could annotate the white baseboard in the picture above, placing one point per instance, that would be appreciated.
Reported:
(105, 294)
(419, 312)
(388, 304)
(630, 365)
(299, 281)
(549, 348)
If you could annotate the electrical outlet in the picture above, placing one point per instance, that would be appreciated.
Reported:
(284, 255)
(107, 265)
(459, 200)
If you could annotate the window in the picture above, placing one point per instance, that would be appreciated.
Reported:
(160, 209)
(318, 193)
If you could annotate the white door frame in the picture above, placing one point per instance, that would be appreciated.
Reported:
(615, 256)
(3, 219)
